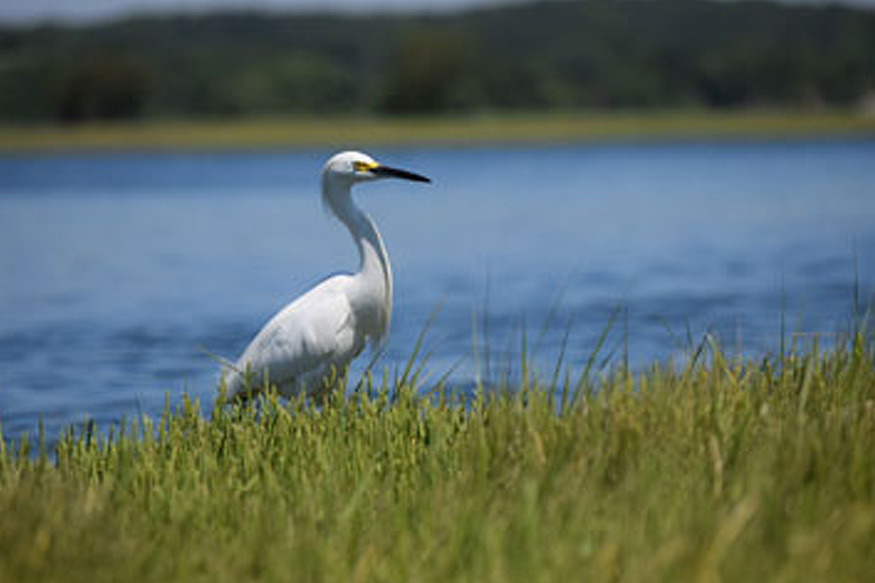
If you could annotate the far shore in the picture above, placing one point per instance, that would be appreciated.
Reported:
(540, 128)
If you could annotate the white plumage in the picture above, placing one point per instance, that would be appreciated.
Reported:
(319, 333)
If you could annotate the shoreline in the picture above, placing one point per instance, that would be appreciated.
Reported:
(457, 131)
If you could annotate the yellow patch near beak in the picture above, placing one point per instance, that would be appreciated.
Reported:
(365, 166)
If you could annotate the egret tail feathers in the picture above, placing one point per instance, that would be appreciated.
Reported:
(231, 374)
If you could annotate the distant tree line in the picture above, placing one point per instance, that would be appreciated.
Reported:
(544, 55)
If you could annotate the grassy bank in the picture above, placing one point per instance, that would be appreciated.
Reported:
(337, 132)
(720, 471)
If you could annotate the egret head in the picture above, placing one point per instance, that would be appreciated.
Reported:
(354, 167)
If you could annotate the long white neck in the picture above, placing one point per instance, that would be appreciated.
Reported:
(374, 276)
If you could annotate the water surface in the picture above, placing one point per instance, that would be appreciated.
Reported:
(117, 270)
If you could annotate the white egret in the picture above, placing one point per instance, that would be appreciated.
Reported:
(319, 333)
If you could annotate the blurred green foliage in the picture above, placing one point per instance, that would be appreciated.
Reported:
(546, 55)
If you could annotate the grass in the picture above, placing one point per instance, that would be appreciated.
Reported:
(719, 470)
(460, 130)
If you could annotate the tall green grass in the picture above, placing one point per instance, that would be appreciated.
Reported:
(717, 470)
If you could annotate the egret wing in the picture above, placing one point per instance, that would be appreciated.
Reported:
(304, 340)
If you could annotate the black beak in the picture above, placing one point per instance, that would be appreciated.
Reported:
(388, 171)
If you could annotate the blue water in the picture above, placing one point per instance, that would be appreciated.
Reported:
(116, 270)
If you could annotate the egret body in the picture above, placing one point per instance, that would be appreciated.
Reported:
(319, 333)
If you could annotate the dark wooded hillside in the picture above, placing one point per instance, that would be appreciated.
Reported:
(545, 55)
